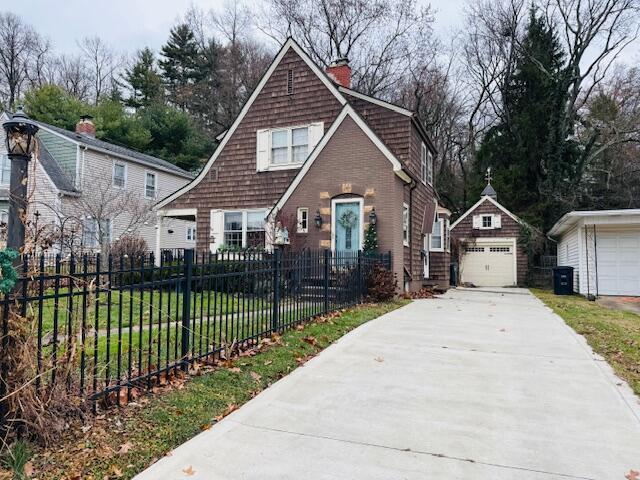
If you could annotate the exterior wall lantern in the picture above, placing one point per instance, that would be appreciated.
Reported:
(373, 218)
(20, 133)
(318, 219)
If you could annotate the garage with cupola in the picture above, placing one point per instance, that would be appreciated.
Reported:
(487, 241)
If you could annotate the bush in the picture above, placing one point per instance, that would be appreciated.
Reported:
(382, 284)
(132, 247)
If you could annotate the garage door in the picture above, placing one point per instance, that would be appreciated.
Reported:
(618, 263)
(489, 264)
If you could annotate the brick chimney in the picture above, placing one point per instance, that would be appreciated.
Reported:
(86, 126)
(340, 72)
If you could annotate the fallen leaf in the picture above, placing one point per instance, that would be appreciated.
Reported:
(125, 447)
(116, 471)
(632, 475)
(234, 369)
(503, 330)
(256, 376)
(310, 340)
(206, 426)
(28, 469)
(230, 408)
(379, 359)
(268, 362)
(189, 471)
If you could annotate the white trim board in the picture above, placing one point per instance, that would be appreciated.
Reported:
(376, 101)
(289, 44)
(334, 202)
(347, 111)
(480, 202)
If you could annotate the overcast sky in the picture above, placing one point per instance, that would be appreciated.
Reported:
(129, 25)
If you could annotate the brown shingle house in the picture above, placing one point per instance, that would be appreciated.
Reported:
(487, 238)
(320, 157)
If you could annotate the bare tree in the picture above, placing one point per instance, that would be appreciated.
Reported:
(41, 68)
(16, 41)
(73, 76)
(378, 37)
(101, 63)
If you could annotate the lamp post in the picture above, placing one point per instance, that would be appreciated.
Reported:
(20, 141)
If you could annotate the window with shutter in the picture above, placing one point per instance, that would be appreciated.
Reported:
(284, 148)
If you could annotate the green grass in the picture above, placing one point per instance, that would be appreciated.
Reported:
(171, 418)
(611, 333)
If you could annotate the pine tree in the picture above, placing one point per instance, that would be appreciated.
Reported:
(144, 80)
(528, 149)
(180, 64)
(371, 239)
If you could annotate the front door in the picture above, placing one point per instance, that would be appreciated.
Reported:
(348, 227)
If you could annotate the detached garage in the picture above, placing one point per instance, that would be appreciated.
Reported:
(603, 247)
(489, 254)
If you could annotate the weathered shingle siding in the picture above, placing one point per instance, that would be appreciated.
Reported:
(510, 228)
(364, 173)
(238, 184)
(64, 151)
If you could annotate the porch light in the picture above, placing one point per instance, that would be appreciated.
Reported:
(318, 219)
(373, 218)
(20, 134)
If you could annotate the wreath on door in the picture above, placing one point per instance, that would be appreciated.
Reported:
(348, 219)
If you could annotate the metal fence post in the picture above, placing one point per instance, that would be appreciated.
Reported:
(186, 304)
(277, 256)
(360, 279)
(327, 260)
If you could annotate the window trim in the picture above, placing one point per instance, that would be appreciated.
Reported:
(113, 175)
(426, 164)
(4, 157)
(299, 228)
(245, 216)
(96, 241)
(155, 184)
(406, 223)
(482, 225)
(440, 222)
(189, 230)
(290, 163)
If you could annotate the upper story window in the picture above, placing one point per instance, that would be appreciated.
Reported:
(487, 221)
(119, 175)
(150, 185)
(282, 148)
(289, 145)
(437, 235)
(426, 165)
(5, 172)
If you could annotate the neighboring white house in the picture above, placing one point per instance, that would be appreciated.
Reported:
(603, 247)
(90, 192)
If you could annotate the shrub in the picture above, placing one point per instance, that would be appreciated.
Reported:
(382, 284)
(132, 247)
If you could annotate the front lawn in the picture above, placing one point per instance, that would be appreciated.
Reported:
(122, 443)
(613, 334)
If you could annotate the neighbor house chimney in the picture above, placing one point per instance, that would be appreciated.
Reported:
(86, 126)
(340, 72)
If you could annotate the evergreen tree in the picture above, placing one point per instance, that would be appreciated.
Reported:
(180, 65)
(371, 239)
(528, 149)
(143, 80)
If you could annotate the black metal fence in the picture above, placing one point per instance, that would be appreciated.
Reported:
(109, 326)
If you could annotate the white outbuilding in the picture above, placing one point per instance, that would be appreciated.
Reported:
(603, 247)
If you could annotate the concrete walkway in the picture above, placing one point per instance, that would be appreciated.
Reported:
(473, 385)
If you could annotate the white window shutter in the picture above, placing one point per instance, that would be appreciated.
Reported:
(216, 231)
(316, 131)
(477, 221)
(497, 221)
(262, 150)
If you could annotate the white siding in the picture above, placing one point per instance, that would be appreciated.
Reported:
(569, 254)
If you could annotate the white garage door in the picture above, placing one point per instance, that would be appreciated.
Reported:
(489, 264)
(618, 263)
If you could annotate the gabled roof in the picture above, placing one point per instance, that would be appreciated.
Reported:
(480, 202)
(571, 218)
(290, 44)
(117, 150)
(51, 167)
(347, 111)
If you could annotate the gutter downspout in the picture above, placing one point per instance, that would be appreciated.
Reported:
(412, 187)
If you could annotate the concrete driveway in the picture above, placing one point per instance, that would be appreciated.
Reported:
(473, 385)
